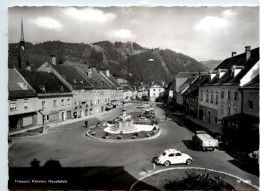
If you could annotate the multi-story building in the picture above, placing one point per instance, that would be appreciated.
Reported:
(76, 82)
(190, 95)
(220, 97)
(117, 89)
(22, 101)
(156, 91)
(245, 125)
(54, 97)
(100, 95)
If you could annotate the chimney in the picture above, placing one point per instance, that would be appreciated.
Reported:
(28, 67)
(248, 52)
(107, 73)
(89, 72)
(233, 54)
(53, 59)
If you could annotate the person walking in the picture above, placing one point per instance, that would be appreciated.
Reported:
(86, 124)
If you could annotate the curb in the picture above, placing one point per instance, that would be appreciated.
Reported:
(186, 168)
(120, 140)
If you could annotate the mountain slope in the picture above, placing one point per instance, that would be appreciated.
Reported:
(211, 64)
(127, 60)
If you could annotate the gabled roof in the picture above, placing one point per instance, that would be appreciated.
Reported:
(239, 60)
(72, 76)
(254, 83)
(186, 74)
(14, 89)
(112, 80)
(186, 84)
(95, 79)
(43, 80)
(193, 90)
(156, 86)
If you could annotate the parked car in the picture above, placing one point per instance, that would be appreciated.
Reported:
(254, 157)
(172, 156)
(148, 114)
(148, 109)
(205, 141)
(144, 119)
(143, 105)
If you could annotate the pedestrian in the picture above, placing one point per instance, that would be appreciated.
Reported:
(86, 123)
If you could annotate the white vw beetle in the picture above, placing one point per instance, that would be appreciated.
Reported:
(172, 156)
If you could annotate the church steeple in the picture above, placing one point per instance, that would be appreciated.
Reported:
(22, 43)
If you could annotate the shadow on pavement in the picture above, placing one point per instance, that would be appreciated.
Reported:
(250, 168)
(190, 145)
(53, 176)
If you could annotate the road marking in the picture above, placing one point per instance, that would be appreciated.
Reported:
(187, 168)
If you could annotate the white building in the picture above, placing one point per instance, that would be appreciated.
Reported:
(156, 91)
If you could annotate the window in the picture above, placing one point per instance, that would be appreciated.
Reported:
(222, 109)
(154, 90)
(216, 119)
(222, 94)
(23, 86)
(229, 95)
(201, 97)
(43, 104)
(235, 110)
(154, 95)
(236, 96)
(178, 154)
(62, 102)
(102, 101)
(250, 104)
(171, 155)
(12, 105)
(216, 99)
(26, 104)
(228, 110)
(55, 103)
(47, 117)
(105, 100)
(68, 100)
(98, 101)
(207, 97)
(211, 98)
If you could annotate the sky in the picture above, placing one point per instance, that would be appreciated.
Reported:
(203, 33)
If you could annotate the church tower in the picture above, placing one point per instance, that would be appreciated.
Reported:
(22, 43)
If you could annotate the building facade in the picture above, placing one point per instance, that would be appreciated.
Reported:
(22, 101)
(156, 91)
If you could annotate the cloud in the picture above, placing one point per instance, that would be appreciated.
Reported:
(210, 24)
(89, 15)
(122, 34)
(46, 23)
(228, 13)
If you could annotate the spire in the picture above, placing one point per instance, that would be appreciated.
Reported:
(22, 35)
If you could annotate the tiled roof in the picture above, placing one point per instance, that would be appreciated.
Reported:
(14, 89)
(239, 60)
(193, 90)
(254, 83)
(43, 80)
(186, 74)
(95, 79)
(72, 76)
(112, 80)
(186, 84)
